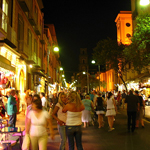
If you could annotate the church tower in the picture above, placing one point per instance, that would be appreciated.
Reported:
(83, 60)
(124, 27)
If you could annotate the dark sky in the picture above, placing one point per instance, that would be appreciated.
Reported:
(81, 24)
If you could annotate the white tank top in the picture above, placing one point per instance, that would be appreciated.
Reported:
(110, 103)
(73, 118)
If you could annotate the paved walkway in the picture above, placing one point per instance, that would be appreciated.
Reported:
(100, 139)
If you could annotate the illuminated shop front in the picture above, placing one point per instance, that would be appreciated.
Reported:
(13, 71)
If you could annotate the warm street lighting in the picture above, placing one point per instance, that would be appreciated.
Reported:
(144, 2)
(93, 62)
(63, 75)
(84, 72)
(61, 69)
(56, 49)
(30, 66)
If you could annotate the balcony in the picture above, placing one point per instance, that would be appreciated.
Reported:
(38, 29)
(23, 49)
(44, 39)
(25, 5)
(32, 58)
(3, 24)
(38, 63)
(31, 18)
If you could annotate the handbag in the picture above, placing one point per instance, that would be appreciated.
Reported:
(26, 142)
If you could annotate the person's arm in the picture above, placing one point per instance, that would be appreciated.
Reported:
(65, 109)
(114, 104)
(92, 105)
(51, 128)
(27, 126)
(55, 117)
(82, 107)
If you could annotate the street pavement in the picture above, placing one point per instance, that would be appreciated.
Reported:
(100, 139)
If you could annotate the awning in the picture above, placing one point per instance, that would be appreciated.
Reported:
(39, 72)
(6, 64)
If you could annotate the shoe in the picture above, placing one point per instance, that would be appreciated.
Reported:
(111, 129)
(143, 127)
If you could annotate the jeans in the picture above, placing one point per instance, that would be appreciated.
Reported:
(131, 116)
(12, 120)
(62, 132)
(74, 132)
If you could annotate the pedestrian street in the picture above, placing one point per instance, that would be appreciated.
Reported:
(100, 139)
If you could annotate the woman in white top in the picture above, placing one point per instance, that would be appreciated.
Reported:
(61, 119)
(36, 126)
(111, 110)
(74, 110)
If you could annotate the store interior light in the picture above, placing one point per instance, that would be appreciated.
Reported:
(63, 75)
(144, 2)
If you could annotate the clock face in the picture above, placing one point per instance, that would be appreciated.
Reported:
(128, 24)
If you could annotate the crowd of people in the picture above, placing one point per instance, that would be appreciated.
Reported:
(71, 110)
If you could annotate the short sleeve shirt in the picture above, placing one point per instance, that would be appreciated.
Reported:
(62, 116)
(38, 125)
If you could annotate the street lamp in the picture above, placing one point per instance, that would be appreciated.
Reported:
(144, 2)
(56, 49)
(61, 69)
(87, 80)
(93, 62)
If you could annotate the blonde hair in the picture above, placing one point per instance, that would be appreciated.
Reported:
(59, 99)
(74, 97)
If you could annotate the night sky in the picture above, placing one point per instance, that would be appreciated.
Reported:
(81, 24)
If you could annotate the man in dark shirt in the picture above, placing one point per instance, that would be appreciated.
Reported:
(132, 107)
(123, 95)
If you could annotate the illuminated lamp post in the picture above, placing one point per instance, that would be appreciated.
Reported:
(144, 2)
(93, 62)
(87, 80)
(56, 49)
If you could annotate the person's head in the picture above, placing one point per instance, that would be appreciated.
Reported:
(109, 95)
(130, 92)
(99, 94)
(136, 92)
(73, 97)
(35, 97)
(42, 94)
(29, 100)
(87, 97)
(12, 92)
(62, 98)
(36, 103)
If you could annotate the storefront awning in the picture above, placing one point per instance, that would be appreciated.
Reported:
(39, 73)
(6, 64)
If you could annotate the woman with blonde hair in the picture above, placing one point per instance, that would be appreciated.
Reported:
(74, 110)
(61, 119)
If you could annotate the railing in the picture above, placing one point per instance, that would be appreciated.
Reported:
(31, 18)
(39, 61)
(22, 47)
(38, 29)
(3, 20)
(32, 57)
